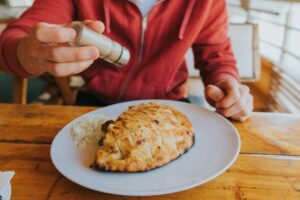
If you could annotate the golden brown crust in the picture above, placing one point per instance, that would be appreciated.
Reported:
(144, 137)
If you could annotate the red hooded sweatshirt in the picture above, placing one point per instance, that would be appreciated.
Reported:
(157, 44)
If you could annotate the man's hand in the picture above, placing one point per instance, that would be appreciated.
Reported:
(46, 49)
(230, 99)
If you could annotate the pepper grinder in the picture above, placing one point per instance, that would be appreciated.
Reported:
(109, 50)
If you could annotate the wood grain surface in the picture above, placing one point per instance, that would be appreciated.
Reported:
(268, 166)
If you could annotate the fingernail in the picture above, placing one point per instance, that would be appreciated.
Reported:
(71, 33)
(93, 53)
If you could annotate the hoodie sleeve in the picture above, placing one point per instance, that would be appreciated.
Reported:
(56, 12)
(212, 48)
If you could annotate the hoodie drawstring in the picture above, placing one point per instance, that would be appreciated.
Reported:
(186, 18)
(106, 15)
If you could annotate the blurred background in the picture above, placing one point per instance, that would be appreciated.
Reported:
(279, 47)
(266, 41)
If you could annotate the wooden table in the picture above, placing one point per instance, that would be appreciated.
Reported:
(268, 166)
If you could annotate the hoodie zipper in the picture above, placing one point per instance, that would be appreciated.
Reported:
(134, 71)
(130, 76)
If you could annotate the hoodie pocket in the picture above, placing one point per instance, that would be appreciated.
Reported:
(105, 86)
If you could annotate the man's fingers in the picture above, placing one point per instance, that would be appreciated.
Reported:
(213, 94)
(238, 107)
(97, 26)
(232, 94)
(69, 54)
(49, 33)
(67, 69)
(245, 113)
(237, 103)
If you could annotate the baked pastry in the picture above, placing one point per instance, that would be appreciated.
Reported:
(144, 137)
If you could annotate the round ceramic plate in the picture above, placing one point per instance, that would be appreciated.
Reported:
(216, 147)
(5, 193)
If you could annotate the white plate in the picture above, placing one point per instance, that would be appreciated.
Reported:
(5, 193)
(216, 147)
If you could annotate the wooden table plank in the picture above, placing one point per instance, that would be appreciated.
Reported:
(270, 133)
(264, 133)
(34, 123)
(251, 177)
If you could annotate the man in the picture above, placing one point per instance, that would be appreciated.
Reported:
(157, 34)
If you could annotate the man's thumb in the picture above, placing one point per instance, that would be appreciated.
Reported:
(213, 94)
